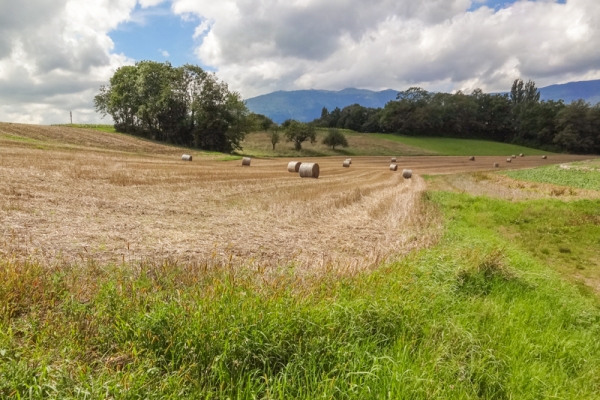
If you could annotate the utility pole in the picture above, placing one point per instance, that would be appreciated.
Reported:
(71, 114)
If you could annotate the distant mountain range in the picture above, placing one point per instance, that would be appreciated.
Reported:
(306, 105)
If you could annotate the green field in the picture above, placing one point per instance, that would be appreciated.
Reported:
(257, 144)
(582, 175)
(480, 315)
(460, 147)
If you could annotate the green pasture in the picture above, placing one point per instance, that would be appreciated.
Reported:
(459, 147)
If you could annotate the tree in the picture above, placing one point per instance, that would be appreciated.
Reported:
(183, 105)
(335, 138)
(274, 134)
(299, 133)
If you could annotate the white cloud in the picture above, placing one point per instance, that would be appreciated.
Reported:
(261, 46)
(54, 55)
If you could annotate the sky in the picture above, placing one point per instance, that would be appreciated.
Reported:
(55, 54)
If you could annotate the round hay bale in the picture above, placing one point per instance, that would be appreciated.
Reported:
(349, 160)
(393, 167)
(471, 158)
(186, 157)
(509, 159)
(393, 159)
(346, 164)
(496, 165)
(513, 156)
(246, 161)
(309, 170)
(407, 173)
(544, 157)
(294, 166)
(521, 155)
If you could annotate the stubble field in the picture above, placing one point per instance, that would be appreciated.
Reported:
(117, 199)
(128, 273)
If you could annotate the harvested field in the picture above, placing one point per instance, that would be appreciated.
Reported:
(116, 206)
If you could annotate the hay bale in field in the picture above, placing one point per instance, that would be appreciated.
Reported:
(349, 160)
(186, 157)
(521, 155)
(513, 156)
(544, 157)
(471, 158)
(393, 167)
(407, 173)
(346, 164)
(509, 159)
(309, 170)
(246, 161)
(294, 166)
(393, 159)
(496, 165)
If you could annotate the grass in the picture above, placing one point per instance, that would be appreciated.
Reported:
(459, 147)
(582, 175)
(97, 127)
(477, 316)
(258, 144)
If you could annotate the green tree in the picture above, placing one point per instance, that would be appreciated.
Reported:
(299, 133)
(274, 134)
(183, 105)
(335, 138)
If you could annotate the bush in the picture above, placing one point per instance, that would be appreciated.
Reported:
(335, 138)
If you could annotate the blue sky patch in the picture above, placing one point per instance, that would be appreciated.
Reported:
(157, 34)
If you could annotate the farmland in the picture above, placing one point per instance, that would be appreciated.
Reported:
(126, 272)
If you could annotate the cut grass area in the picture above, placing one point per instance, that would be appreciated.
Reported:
(478, 316)
(459, 147)
(582, 175)
(97, 127)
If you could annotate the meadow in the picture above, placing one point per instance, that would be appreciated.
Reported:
(127, 273)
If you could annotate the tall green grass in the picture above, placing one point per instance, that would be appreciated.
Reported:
(460, 147)
(477, 316)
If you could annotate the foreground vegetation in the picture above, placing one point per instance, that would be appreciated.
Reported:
(478, 316)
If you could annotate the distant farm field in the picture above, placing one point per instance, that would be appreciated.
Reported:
(460, 147)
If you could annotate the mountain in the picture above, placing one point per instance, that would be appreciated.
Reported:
(586, 90)
(306, 105)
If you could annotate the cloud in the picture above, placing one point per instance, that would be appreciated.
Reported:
(164, 53)
(54, 55)
(261, 46)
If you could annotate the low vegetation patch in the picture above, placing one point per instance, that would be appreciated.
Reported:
(478, 316)
(577, 175)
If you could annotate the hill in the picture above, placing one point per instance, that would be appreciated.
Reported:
(586, 90)
(306, 105)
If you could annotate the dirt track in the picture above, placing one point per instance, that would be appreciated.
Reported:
(77, 205)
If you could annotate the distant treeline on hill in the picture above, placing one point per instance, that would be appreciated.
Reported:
(518, 117)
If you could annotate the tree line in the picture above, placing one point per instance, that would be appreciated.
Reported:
(518, 117)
